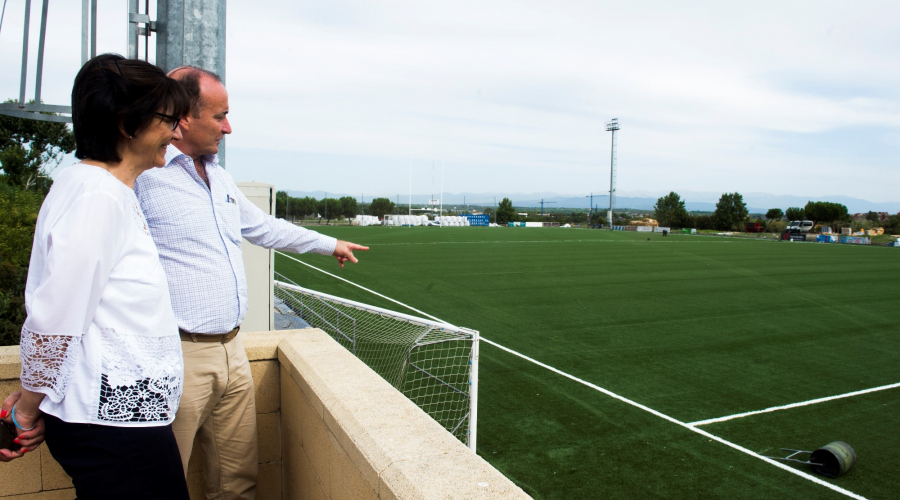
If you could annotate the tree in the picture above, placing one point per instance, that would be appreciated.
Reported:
(892, 225)
(381, 206)
(598, 218)
(505, 211)
(825, 211)
(670, 211)
(31, 149)
(774, 214)
(795, 213)
(577, 217)
(281, 203)
(349, 206)
(873, 216)
(731, 212)
(703, 222)
(305, 206)
(329, 208)
(18, 215)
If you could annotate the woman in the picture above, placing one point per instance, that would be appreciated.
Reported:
(101, 356)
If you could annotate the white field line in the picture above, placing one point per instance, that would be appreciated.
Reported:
(680, 423)
(793, 405)
(364, 288)
(614, 395)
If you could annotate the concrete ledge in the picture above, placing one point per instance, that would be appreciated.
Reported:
(10, 364)
(264, 345)
(329, 427)
(361, 438)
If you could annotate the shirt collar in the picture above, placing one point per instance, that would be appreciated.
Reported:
(173, 155)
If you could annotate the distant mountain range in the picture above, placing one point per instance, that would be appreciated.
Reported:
(694, 201)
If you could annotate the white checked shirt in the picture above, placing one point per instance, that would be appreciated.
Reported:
(198, 229)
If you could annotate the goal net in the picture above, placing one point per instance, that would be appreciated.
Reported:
(434, 364)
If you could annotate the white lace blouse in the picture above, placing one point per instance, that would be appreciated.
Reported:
(100, 339)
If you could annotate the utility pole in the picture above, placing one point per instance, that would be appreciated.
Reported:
(591, 208)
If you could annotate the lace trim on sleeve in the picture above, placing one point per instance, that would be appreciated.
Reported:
(48, 362)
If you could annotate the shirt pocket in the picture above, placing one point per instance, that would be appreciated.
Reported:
(230, 214)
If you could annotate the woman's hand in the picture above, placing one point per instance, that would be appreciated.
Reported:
(27, 415)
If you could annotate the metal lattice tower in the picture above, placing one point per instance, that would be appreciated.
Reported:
(189, 32)
(612, 126)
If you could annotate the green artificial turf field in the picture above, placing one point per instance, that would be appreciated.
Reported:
(694, 327)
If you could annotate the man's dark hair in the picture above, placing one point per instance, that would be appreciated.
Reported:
(190, 77)
(112, 94)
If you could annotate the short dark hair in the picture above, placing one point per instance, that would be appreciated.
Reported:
(190, 76)
(112, 94)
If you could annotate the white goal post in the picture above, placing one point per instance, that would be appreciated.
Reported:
(434, 364)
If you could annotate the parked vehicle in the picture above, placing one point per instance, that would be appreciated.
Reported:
(754, 227)
(800, 226)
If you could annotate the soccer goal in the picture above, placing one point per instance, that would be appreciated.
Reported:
(434, 364)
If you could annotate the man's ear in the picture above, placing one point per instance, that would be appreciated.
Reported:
(186, 123)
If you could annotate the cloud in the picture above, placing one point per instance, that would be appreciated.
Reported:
(712, 96)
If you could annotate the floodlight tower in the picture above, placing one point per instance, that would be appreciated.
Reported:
(612, 126)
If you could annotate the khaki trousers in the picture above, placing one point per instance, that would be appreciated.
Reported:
(218, 407)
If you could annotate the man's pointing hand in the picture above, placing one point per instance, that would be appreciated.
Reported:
(344, 251)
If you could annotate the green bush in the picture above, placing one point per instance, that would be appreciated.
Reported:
(18, 214)
(892, 225)
(776, 226)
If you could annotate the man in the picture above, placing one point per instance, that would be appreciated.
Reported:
(197, 217)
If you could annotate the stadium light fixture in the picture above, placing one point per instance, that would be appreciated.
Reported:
(612, 126)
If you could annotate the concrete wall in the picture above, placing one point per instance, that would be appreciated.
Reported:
(36, 476)
(262, 352)
(329, 428)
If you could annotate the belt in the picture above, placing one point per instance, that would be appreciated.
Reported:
(219, 338)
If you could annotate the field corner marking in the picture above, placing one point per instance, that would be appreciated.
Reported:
(792, 405)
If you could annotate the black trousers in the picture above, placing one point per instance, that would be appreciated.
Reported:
(118, 462)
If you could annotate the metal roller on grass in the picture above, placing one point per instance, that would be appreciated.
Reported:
(832, 460)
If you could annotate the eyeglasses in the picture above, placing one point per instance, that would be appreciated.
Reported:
(174, 119)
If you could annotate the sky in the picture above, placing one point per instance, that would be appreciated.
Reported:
(781, 97)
